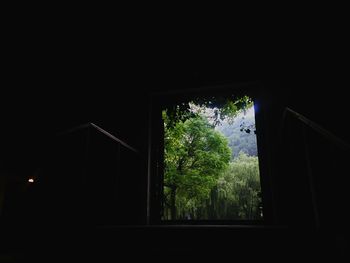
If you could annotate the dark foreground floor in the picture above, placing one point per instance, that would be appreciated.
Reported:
(164, 244)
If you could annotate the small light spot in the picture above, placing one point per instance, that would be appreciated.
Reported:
(30, 180)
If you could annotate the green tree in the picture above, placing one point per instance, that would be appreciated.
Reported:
(195, 157)
(238, 189)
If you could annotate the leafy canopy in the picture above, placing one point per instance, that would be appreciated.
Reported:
(195, 156)
(223, 107)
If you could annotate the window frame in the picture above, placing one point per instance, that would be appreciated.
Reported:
(159, 101)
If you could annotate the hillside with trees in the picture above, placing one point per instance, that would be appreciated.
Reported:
(236, 132)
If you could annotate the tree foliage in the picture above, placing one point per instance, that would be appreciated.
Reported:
(202, 178)
(238, 190)
(195, 156)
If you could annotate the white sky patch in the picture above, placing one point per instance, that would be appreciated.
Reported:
(241, 117)
(209, 113)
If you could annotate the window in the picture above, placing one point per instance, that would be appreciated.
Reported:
(207, 162)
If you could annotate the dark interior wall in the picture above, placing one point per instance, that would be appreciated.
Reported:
(59, 86)
(30, 116)
(325, 102)
(122, 108)
(51, 83)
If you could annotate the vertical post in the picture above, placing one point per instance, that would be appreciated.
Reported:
(2, 191)
(87, 148)
(83, 200)
(267, 170)
(160, 168)
(120, 215)
(149, 161)
(311, 179)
